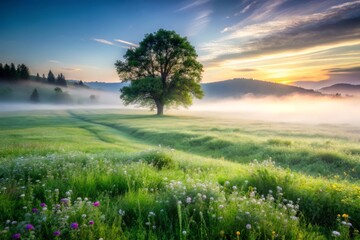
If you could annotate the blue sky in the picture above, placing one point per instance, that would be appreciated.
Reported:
(276, 40)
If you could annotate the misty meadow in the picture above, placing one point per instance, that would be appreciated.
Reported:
(191, 119)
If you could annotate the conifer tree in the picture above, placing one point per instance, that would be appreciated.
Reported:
(51, 78)
(34, 97)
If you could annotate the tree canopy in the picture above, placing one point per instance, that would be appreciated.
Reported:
(162, 70)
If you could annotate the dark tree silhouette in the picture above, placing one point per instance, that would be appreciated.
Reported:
(51, 78)
(38, 78)
(60, 80)
(34, 97)
(6, 72)
(23, 72)
(1, 72)
(58, 90)
(13, 73)
(163, 71)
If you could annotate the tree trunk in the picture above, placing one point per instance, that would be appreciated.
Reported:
(160, 109)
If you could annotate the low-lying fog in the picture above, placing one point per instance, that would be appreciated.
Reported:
(296, 108)
(299, 108)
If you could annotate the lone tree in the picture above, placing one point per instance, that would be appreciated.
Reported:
(162, 70)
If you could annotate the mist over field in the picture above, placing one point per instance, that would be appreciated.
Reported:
(295, 108)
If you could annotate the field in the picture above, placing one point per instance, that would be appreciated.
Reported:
(112, 174)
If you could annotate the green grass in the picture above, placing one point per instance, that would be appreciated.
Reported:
(175, 177)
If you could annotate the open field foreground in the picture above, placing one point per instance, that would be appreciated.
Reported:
(110, 174)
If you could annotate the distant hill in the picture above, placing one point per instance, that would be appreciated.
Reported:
(236, 88)
(342, 88)
(106, 86)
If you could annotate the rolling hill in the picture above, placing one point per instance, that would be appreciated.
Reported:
(239, 87)
(342, 88)
(234, 88)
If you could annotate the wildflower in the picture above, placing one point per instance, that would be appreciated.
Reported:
(345, 216)
(42, 205)
(91, 222)
(273, 233)
(57, 233)
(22, 195)
(248, 226)
(188, 200)
(29, 227)
(35, 210)
(83, 216)
(221, 206)
(74, 225)
(238, 233)
(335, 233)
(16, 236)
(64, 201)
(184, 232)
(96, 204)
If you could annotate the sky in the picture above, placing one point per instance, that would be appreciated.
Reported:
(283, 41)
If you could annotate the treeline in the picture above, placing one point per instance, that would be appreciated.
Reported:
(12, 74)
(51, 79)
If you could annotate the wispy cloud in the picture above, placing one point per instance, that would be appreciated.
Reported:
(199, 23)
(246, 70)
(54, 61)
(193, 4)
(336, 24)
(345, 70)
(126, 42)
(71, 69)
(100, 40)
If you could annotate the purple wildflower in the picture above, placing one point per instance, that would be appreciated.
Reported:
(57, 233)
(96, 204)
(16, 236)
(29, 227)
(74, 225)
(42, 205)
(35, 210)
(91, 222)
(65, 201)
